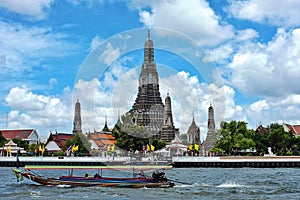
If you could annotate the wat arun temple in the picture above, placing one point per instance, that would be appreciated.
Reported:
(150, 112)
(148, 109)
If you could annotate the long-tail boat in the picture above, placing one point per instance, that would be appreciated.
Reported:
(157, 180)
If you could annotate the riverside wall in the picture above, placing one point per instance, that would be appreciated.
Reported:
(237, 162)
(177, 162)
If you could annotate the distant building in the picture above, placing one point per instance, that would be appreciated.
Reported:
(295, 129)
(193, 133)
(210, 141)
(77, 118)
(11, 149)
(101, 139)
(56, 141)
(262, 130)
(29, 135)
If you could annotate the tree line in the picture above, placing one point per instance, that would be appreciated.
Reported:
(234, 138)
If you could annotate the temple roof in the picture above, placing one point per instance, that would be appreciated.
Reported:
(19, 133)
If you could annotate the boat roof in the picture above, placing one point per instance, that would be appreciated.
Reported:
(114, 167)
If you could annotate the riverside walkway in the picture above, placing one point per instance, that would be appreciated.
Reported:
(177, 162)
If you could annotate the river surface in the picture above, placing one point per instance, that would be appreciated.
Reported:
(192, 183)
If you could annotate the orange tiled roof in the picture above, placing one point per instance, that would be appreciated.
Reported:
(102, 139)
(59, 138)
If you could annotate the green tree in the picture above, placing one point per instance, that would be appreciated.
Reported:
(235, 137)
(82, 141)
(3, 141)
(280, 141)
(131, 137)
(21, 143)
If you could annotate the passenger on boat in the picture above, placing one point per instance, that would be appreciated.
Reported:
(97, 175)
(86, 175)
(142, 174)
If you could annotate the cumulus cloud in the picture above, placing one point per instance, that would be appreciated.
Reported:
(37, 9)
(44, 113)
(96, 41)
(275, 12)
(109, 54)
(268, 69)
(194, 18)
(246, 34)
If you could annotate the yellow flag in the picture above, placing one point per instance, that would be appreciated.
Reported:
(73, 148)
(108, 148)
(40, 148)
(152, 148)
(148, 148)
(113, 147)
(196, 146)
(43, 149)
(76, 148)
(191, 147)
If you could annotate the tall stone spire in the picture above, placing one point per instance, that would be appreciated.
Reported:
(168, 129)
(211, 119)
(168, 118)
(77, 118)
(148, 108)
(210, 141)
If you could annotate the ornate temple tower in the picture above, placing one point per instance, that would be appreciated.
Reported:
(210, 141)
(148, 109)
(193, 133)
(168, 130)
(77, 119)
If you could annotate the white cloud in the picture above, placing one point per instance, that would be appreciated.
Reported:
(219, 54)
(194, 18)
(275, 12)
(44, 113)
(246, 34)
(96, 41)
(267, 69)
(259, 106)
(36, 8)
(109, 54)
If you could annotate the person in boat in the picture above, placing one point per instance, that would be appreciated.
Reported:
(159, 176)
(86, 175)
(142, 174)
(97, 175)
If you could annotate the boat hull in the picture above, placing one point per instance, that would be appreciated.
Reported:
(104, 182)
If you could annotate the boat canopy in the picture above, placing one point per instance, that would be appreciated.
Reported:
(112, 167)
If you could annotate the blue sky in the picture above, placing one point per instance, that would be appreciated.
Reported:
(241, 56)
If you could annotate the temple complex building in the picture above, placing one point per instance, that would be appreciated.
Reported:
(148, 109)
(193, 133)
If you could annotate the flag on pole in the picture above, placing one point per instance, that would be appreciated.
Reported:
(73, 148)
(148, 147)
(76, 148)
(196, 147)
(113, 147)
(43, 149)
(191, 147)
(152, 148)
(108, 148)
